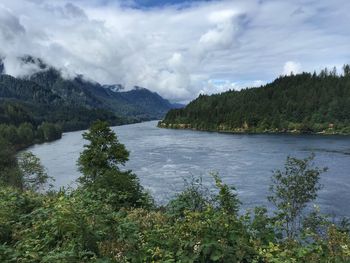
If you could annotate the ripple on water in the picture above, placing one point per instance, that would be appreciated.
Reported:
(162, 158)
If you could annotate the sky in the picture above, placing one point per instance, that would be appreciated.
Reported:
(177, 48)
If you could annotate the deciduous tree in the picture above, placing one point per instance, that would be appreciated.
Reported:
(292, 189)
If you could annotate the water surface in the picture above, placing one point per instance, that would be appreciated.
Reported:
(163, 157)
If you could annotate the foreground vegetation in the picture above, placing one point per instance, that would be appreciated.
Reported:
(110, 218)
(304, 103)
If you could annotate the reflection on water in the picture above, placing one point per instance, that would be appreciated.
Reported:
(162, 158)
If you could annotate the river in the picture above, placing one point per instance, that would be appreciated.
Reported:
(162, 158)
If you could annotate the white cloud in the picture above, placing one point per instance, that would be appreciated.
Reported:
(216, 85)
(9, 24)
(176, 51)
(16, 67)
(220, 37)
(176, 62)
(291, 67)
(222, 16)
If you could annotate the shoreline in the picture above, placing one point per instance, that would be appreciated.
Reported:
(26, 147)
(241, 131)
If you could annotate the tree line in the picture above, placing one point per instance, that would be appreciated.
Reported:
(307, 103)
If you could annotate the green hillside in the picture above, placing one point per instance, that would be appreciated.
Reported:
(306, 103)
(45, 104)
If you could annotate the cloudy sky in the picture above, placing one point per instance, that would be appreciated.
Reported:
(174, 47)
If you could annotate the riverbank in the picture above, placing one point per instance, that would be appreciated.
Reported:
(38, 142)
(221, 129)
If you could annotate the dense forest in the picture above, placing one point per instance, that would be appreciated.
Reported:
(303, 103)
(38, 107)
(109, 217)
(48, 87)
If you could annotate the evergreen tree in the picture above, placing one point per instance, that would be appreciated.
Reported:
(300, 103)
(103, 153)
(346, 69)
(100, 165)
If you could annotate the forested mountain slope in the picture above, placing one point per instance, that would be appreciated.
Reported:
(39, 106)
(24, 99)
(139, 103)
(298, 103)
(75, 102)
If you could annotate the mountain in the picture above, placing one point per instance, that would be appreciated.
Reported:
(147, 102)
(75, 102)
(139, 103)
(304, 103)
(178, 105)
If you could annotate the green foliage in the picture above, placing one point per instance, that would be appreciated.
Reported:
(15, 205)
(261, 227)
(103, 153)
(34, 176)
(195, 197)
(24, 171)
(49, 131)
(227, 198)
(9, 133)
(120, 189)
(100, 165)
(303, 103)
(26, 134)
(9, 171)
(80, 226)
(60, 228)
(292, 189)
